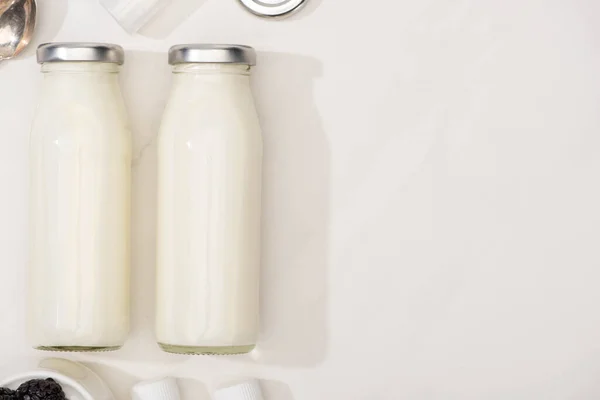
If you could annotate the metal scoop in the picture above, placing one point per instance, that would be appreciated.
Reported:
(17, 22)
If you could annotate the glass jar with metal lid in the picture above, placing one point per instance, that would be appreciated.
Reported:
(80, 152)
(209, 204)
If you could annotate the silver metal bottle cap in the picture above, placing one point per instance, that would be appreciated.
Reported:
(212, 54)
(74, 52)
(273, 8)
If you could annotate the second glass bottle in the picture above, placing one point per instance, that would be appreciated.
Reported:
(209, 204)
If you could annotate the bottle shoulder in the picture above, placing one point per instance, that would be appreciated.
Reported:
(66, 114)
(189, 115)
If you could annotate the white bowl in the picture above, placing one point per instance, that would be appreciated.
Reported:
(78, 381)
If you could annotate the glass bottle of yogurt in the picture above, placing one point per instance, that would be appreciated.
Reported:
(80, 156)
(209, 204)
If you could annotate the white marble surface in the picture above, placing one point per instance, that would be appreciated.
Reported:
(432, 196)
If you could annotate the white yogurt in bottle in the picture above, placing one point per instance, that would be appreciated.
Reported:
(209, 203)
(80, 201)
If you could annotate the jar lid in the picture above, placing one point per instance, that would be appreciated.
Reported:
(249, 390)
(161, 389)
(212, 54)
(80, 52)
(273, 8)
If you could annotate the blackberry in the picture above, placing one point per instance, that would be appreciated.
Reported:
(40, 389)
(7, 394)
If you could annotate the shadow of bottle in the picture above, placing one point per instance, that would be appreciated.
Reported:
(295, 212)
